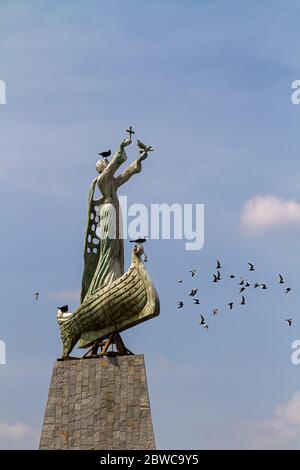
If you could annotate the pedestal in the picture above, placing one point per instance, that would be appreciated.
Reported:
(98, 404)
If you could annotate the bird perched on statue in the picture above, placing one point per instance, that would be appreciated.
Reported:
(144, 148)
(139, 240)
(63, 309)
(105, 154)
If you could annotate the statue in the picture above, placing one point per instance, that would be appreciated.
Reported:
(111, 300)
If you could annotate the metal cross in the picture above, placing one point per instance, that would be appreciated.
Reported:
(130, 132)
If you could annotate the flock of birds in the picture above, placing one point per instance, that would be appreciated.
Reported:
(243, 284)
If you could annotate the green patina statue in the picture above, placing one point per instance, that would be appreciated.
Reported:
(111, 300)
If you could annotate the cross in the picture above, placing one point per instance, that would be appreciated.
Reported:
(130, 131)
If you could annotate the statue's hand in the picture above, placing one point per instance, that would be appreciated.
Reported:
(143, 156)
(125, 143)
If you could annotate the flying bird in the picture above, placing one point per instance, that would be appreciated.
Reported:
(281, 280)
(251, 267)
(179, 281)
(219, 276)
(242, 289)
(139, 240)
(230, 305)
(232, 276)
(180, 304)
(218, 265)
(264, 286)
(196, 301)
(256, 285)
(105, 154)
(241, 283)
(289, 320)
(193, 292)
(193, 272)
(215, 278)
(243, 301)
(144, 148)
(36, 295)
(247, 284)
(287, 290)
(215, 311)
(203, 322)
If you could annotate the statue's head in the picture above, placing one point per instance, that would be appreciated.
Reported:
(101, 165)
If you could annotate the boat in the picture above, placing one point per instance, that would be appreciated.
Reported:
(129, 300)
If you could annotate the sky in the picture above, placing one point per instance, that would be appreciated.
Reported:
(208, 84)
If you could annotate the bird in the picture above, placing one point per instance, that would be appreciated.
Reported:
(247, 284)
(215, 278)
(179, 281)
(281, 281)
(139, 240)
(264, 286)
(144, 148)
(289, 320)
(219, 276)
(203, 322)
(241, 283)
(243, 301)
(230, 305)
(256, 285)
(232, 276)
(242, 289)
(180, 304)
(193, 292)
(196, 301)
(251, 267)
(218, 265)
(193, 272)
(215, 311)
(105, 154)
(36, 295)
(63, 309)
(287, 290)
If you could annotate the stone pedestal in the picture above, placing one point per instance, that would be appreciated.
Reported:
(98, 404)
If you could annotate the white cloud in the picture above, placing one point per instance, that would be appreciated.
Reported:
(282, 431)
(263, 213)
(17, 436)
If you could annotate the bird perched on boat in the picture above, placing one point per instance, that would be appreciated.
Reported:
(230, 305)
(36, 295)
(251, 267)
(193, 272)
(287, 290)
(196, 301)
(193, 292)
(289, 320)
(218, 265)
(180, 304)
(281, 280)
(139, 240)
(105, 154)
(203, 322)
(144, 148)
(243, 301)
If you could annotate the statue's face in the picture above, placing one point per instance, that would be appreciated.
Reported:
(101, 165)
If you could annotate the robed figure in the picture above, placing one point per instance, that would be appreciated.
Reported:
(104, 245)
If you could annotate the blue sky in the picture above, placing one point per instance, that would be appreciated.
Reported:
(208, 84)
